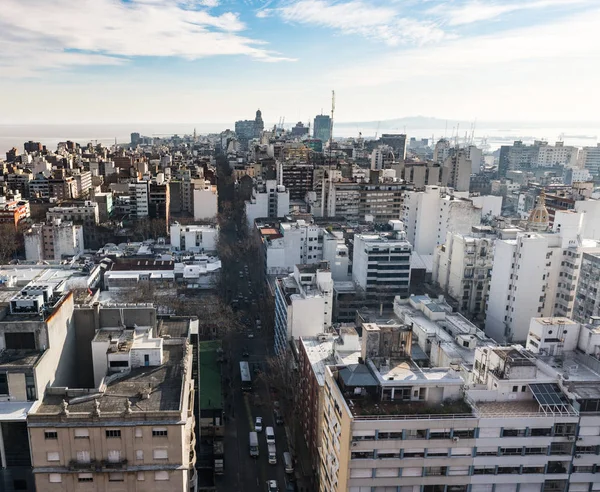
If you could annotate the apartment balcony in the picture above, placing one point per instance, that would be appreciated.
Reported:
(91, 466)
(114, 465)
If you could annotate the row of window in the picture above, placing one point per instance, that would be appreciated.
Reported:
(114, 456)
(112, 477)
(109, 433)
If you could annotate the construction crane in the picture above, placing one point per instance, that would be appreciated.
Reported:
(331, 126)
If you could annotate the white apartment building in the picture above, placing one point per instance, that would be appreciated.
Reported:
(587, 298)
(303, 304)
(194, 238)
(534, 275)
(205, 201)
(268, 200)
(53, 241)
(589, 158)
(381, 157)
(498, 418)
(428, 215)
(288, 244)
(558, 154)
(462, 267)
(86, 213)
(335, 252)
(139, 193)
(381, 264)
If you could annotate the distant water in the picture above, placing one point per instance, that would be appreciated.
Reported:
(51, 135)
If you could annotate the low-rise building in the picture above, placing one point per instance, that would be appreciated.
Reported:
(194, 238)
(205, 199)
(269, 200)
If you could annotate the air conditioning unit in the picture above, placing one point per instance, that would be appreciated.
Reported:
(571, 438)
(456, 439)
(580, 438)
(577, 456)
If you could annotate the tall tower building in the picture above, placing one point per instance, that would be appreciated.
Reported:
(322, 127)
(259, 125)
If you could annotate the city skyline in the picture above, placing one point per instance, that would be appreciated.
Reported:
(109, 61)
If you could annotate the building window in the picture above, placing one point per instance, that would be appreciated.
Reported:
(113, 433)
(139, 454)
(52, 456)
(159, 432)
(138, 432)
(85, 477)
(82, 434)
(83, 456)
(161, 475)
(140, 476)
(116, 477)
(160, 454)
(51, 434)
(30, 387)
(55, 478)
(114, 456)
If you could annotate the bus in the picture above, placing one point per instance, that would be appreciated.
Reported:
(246, 376)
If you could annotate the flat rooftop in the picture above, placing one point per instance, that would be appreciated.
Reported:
(20, 359)
(211, 394)
(369, 408)
(163, 382)
(174, 328)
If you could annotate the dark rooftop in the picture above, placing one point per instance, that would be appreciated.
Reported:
(174, 327)
(368, 406)
(147, 264)
(19, 358)
(312, 268)
(164, 383)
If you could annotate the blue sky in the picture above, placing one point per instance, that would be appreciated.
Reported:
(96, 61)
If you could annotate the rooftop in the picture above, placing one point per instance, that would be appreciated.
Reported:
(363, 408)
(161, 384)
(10, 358)
(211, 394)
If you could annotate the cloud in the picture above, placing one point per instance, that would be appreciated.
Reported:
(46, 34)
(499, 53)
(358, 17)
(478, 10)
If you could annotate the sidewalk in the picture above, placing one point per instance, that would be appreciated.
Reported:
(303, 468)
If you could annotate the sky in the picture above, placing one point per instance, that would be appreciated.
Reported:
(204, 61)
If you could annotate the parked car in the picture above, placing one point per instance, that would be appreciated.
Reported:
(272, 486)
(258, 424)
(278, 417)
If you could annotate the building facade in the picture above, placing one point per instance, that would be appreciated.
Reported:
(53, 241)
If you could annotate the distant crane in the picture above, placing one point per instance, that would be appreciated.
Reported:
(331, 126)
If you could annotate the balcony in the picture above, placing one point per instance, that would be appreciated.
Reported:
(92, 465)
(114, 465)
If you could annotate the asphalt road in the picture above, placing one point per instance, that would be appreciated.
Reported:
(242, 472)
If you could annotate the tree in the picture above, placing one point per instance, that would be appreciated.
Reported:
(10, 242)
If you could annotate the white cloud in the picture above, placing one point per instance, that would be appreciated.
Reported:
(478, 10)
(358, 17)
(563, 43)
(45, 34)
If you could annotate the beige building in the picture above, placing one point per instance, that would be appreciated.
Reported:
(134, 431)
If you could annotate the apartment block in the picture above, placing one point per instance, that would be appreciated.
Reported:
(36, 330)
(456, 171)
(205, 201)
(497, 418)
(587, 296)
(462, 267)
(303, 304)
(289, 243)
(589, 158)
(134, 429)
(14, 211)
(558, 154)
(268, 200)
(53, 241)
(84, 213)
(428, 216)
(381, 265)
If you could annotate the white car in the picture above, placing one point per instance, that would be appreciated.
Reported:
(258, 424)
(272, 486)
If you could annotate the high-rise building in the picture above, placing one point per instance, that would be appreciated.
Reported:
(462, 267)
(589, 158)
(300, 130)
(587, 297)
(428, 215)
(518, 156)
(405, 418)
(322, 127)
(32, 146)
(397, 141)
(456, 171)
(135, 138)
(558, 154)
(442, 150)
(259, 125)
(268, 200)
(303, 304)
(381, 265)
